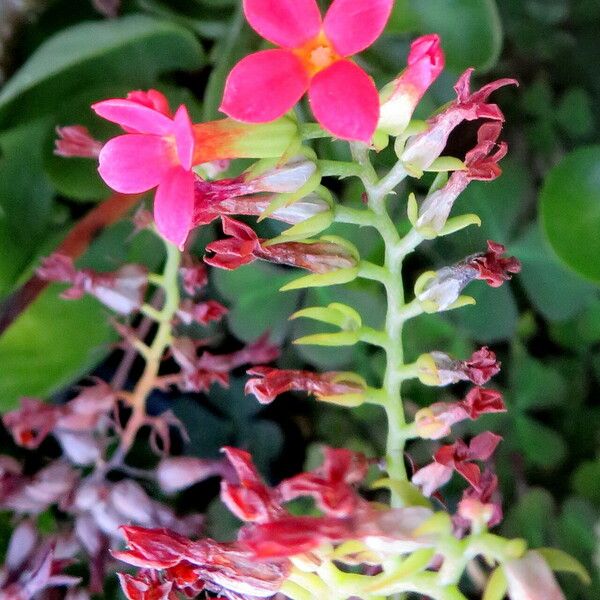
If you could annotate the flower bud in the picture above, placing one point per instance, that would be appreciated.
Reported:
(80, 447)
(400, 97)
(76, 141)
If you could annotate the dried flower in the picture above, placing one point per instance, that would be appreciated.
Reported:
(123, 290)
(421, 150)
(329, 386)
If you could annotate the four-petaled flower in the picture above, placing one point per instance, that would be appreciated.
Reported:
(312, 55)
(157, 151)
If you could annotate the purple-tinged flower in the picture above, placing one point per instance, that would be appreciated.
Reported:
(175, 473)
(202, 313)
(123, 290)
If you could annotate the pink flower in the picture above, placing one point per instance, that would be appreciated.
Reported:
(270, 383)
(480, 505)
(457, 457)
(400, 98)
(435, 421)
(146, 586)
(244, 247)
(313, 56)
(76, 141)
(421, 150)
(193, 275)
(175, 473)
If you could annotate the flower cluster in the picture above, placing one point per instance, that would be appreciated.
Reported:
(355, 526)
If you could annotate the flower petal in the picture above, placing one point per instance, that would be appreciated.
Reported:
(287, 23)
(345, 101)
(134, 163)
(133, 117)
(183, 130)
(174, 205)
(353, 25)
(264, 86)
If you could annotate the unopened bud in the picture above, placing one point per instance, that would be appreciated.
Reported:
(178, 473)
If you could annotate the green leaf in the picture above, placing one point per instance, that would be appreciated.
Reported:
(132, 49)
(534, 384)
(541, 446)
(254, 301)
(570, 209)
(555, 291)
(26, 200)
(531, 517)
(498, 203)
(52, 343)
(493, 318)
(561, 561)
(575, 112)
(471, 30)
(585, 480)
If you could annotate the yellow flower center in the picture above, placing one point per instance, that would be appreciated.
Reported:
(317, 54)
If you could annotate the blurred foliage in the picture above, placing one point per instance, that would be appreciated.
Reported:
(61, 56)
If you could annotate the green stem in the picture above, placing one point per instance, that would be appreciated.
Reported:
(396, 249)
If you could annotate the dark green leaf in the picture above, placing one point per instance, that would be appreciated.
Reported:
(541, 446)
(132, 49)
(471, 30)
(255, 303)
(51, 344)
(555, 291)
(570, 208)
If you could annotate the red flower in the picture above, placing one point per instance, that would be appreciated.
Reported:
(480, 504)
(146, 586)
(439, 368)
(332, 485)
(492, 268)
(245, 494)
(457, 457)
(441, 291)
(245, 247)
(312, 56)
(228, 569)
(202, 312)
(384, 531)
(270, 383)
(480, 401)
